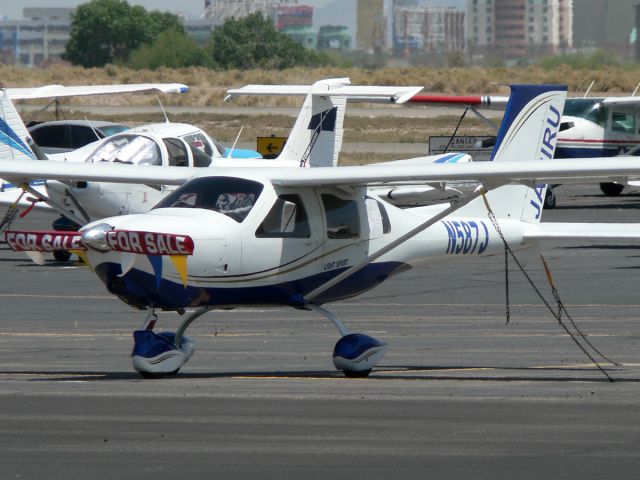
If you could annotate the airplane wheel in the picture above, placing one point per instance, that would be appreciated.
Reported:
(611, 189)
(62, 255)
(355, 374)
(550, 199)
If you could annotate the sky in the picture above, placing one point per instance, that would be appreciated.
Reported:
(193, 8)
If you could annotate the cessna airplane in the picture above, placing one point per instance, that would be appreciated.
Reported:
(590, 126)
(315, 140)
(302, 238)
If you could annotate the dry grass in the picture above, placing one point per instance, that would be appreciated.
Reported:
(208, 86)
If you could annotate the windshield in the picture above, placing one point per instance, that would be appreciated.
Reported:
(109, 130)
(233, 197)
(131, 149)
(587, 108)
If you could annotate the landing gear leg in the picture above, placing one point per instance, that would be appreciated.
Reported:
(159, 354)
(355, 353)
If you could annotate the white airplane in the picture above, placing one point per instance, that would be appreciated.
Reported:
(590, 126)
(315, 140)
(302, 238)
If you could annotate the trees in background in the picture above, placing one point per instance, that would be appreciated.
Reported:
(112, 31)
(107, 31)
(171, 49)
(254, 42)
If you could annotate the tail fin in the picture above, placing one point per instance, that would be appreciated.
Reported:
(14, 137)
(316, 137)
(529, 131)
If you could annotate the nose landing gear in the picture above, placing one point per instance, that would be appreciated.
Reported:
(159, 354)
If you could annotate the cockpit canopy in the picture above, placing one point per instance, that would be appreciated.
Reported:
(233, 197)
(135, 149)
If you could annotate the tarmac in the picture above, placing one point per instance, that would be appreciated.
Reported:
(460, 394)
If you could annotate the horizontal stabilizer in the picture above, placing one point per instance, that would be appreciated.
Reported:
(339, 87)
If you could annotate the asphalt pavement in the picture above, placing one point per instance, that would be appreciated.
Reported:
(460, 393)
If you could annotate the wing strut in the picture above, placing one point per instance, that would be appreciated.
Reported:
(48, 201)
(455, 205)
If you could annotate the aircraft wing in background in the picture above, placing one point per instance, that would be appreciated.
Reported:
(56, 91)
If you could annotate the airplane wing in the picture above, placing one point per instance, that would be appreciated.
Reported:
(486, 102)
(491, 174)
(333, 87)
(488, 173)
(55, 91)
(583, 231)
(621, 101)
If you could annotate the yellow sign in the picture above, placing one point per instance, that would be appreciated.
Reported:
(270, 147)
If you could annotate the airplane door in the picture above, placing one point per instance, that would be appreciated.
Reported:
(287, 240)
(346, 233)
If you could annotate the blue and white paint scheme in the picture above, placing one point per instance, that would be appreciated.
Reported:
(590, 127)
(306, 237)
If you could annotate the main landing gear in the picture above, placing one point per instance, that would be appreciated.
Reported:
(156, 355)
(355, 353)
(159, 354)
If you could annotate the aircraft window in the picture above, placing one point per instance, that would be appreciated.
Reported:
(51, 136)
(587, 108)
(198, 141)
(81, 136)
(113, 129)
(286, 219)
(177, 152)
(200, 159)
(623, 122)
(131, 149)
(233, 197)
(343, 220)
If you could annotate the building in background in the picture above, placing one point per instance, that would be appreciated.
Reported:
(606, 24)
(427, 29)
(37, 40)
(288, 16)
(334, 37)
(371, 26)
(519, 28)
(222, 10)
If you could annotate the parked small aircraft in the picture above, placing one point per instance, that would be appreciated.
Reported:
(590, 126)
(302, 238)
(315, 140)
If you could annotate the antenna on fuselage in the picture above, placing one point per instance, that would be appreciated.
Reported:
(92, 129)
(636, 90)
(234, 143)
(589, 89)
(164, 112)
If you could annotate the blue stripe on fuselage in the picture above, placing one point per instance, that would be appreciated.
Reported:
(138, 288)
(582, 152)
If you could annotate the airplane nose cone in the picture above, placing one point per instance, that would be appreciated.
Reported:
(96, 237)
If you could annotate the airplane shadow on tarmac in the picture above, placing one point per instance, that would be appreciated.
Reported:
(388, 372)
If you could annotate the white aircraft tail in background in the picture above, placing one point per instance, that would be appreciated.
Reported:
(14, 137)
(316, 137)
(522, 139)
